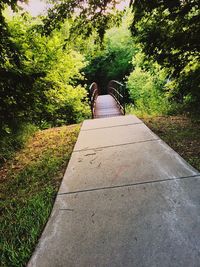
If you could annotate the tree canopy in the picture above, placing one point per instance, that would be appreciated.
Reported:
(87, 15)
(169, 33)
(79, 41)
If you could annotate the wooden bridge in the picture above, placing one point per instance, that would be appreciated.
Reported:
(110, 105)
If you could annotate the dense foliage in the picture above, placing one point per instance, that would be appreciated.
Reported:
(46, 66)
(113, 61)
(39, 79)
(169, 33)
(52, 94)
(147, 87)
(39, 65)
(47, 62)
(87, 16)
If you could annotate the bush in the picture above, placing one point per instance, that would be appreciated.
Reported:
(66, 105)
(44, 89)
(147, 92)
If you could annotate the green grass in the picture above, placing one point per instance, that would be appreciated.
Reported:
(28, 188)
(182, 133)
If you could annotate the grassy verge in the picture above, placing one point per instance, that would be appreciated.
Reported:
(181, 133)
(29, 184)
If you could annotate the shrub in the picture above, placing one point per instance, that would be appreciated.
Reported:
(147, 92)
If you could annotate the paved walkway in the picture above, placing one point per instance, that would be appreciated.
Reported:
(127, 199)
(106, 106)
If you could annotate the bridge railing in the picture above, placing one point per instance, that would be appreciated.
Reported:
(117, 90)
(93, 92)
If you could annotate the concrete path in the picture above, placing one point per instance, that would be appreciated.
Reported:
(127, 199)
(106, 106)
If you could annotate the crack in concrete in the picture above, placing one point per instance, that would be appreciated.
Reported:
(114, 126)
(125, 144)
(130, 185)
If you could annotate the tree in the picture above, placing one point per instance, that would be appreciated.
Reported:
(87, 15)
(42, 85)
(169, 33)
(55, 97)
(113, 60)
(16, 81)
(8, 49)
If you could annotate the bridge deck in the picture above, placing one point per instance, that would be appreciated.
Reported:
(106, 106)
